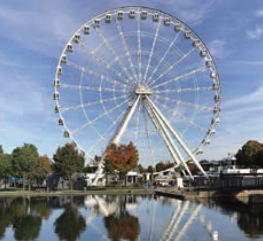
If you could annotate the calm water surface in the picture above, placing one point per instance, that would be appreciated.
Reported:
(130, 217)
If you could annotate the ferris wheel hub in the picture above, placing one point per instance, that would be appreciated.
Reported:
(142, 89)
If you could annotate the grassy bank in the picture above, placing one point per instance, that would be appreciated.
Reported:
(89, 191)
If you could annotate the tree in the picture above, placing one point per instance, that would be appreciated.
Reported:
(68, 160)
(108, 168)
(123, 158)
(25, 161)
(5, 166)
(45, 164)
(160, 166)
(247, 155)
(141, 169)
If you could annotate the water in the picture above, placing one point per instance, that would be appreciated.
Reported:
(122, 217)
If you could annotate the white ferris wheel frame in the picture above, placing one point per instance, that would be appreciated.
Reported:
(143, 88)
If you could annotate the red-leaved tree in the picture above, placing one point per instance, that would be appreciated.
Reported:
(123, 158)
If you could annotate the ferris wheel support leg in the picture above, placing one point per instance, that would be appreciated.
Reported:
(183, 145)
(125, 121)
(173, 146)
(118, 135)
(164, 138)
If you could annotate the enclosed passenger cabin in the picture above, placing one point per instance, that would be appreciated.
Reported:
(187, 34)
(215, 121)
(56, 109)
(216, 110)
(108, 18)
(209, 63)
(217, 97)
(178, 26)
(206, 142)
(213, 75)
(120, 15)
(56, 82)
(144, 14)
(156, 17)
(203, 52)
(96, 23)
(132, 14)
(167, 21)
(63, 59)
(211, 132)
(76, 38)
(59, 70)
(197, 42)
(56, 96)
(200, 152)
(66, 134)
(60, 122)
(86, 30)
(216, 86)
(70, 48)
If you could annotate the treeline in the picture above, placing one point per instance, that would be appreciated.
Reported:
(25, 163)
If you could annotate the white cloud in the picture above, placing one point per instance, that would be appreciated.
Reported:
(259, 13)
(250, 99)
(218, 48)
(256, 33)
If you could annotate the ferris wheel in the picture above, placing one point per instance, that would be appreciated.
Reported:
(138, 74)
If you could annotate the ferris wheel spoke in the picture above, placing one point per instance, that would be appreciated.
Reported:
(116, 57)
(177, 78)
(137, 121)
(103, 136)
(163, 57)
(92, 88)
(139, 49)
(183, 118)
(148, 137)
(91, 72)
(93, 103)
(104, 63)
(126, 49)
(184, 90)
(184, 103)
(152, 49)
(174, 65)
(92, 122)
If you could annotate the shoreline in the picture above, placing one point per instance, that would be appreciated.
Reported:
(113, 191)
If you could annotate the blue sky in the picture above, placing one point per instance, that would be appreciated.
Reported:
(33, 34)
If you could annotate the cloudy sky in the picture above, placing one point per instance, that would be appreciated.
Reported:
(33, 34)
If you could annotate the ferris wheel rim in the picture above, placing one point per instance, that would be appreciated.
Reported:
(159, 11)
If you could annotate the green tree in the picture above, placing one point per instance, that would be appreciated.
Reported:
(5, 166)
(108, 168)
(247, 155)
(160, 166)
(141, 169)
(25, 161)
(68, 160)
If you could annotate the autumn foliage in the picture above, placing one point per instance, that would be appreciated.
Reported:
(123, 158)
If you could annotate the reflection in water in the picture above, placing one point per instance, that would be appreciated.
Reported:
(131, 217)
(70, 224)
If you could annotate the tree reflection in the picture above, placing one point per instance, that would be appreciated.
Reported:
(70, 224)
(121, 225)
(252, 222)
(27, 228)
